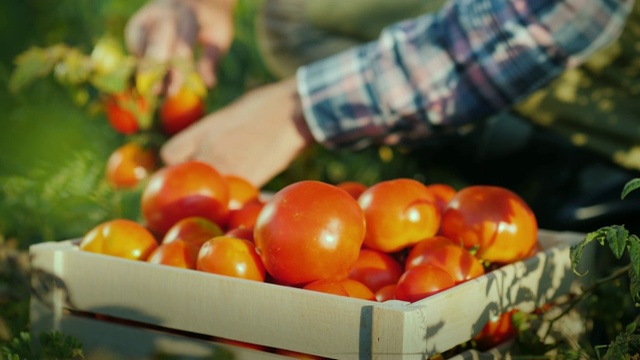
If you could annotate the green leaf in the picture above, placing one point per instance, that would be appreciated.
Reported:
(633, 246)
(116, 80)
(634, 287)
(616, 237)
(575, 252)
(629, 187)
(73, 69)
(33, 64)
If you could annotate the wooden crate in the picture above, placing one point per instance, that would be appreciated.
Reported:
(193, 304)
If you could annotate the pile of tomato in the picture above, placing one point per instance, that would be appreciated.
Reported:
(396, 239)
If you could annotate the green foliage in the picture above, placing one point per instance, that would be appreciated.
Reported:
(53, 345)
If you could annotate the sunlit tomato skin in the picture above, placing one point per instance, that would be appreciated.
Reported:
(241, 191)
(354, 188)
(241, 233)
(422, 281)
(443, 193)
(386, 293)
(309, 230)
(129, 165)
(195, 230)
(246, 216)
(496, 331)
(121, 110)
(183, 190)
(398, 213)
(178, 253)
(229, 256)
(357, 289)
(494, 219)
(454, 259)
(119, 237)
(179, 111)
(375, 269)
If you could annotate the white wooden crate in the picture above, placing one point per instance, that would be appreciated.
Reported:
(194, 302)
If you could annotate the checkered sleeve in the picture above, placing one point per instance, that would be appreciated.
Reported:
(469, 60)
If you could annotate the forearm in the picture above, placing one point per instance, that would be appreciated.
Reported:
(464, 63)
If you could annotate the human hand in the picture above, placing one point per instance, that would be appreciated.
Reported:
(166, 30)
(255, 137)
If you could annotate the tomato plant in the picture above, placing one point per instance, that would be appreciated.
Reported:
(229, 256)
(124, 109)
(178, 253)
(375, 269)
(179, 111)
(129, 164)
(179, 191)
(194, 229)
(309, 230)
(493, 220)
(398, 213)
(119, 237)
(422, 281)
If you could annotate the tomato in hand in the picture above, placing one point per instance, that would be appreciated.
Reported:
(229, 256)
(130, 164)
(454, 259)
(179, 111)
(195, 230)
(178, 253)
(309, 230)
(119, 237)
(422, 281)
(492, 219)
(375, 269)
(124, 110)
(179, 191)
(398, 213)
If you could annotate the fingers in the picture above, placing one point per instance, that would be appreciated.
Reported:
(207, 64)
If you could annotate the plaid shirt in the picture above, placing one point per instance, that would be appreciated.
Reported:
(442, 70)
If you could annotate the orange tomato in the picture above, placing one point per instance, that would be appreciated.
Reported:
(354, 188)
(375, 269)
(327, 286)
(443, 193)
(246, 216)
(179, 111)
(178, 253)
(129, 164)
(179, 191)
(496, 331)
(241, 191)
(422, 281)
(456, 260)
(119, 237)
(195, 230)
(398, 213)
(231, 257)
(123, 109)
(241, 233)
(357, 290)
(385, 293)
(309, 230)
(492, 219)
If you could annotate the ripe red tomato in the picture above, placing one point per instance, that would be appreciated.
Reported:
(179, 111)
(124, 109)
(194, 229)
(241, 233)
(120, 237)
(179, 191)
(443, 193)
(454, 259)
(493, 219)
(422, 281)
(231, 257)
(309, 230)
(241, 191)
(385, 293)
(246, 216)
(398, 213)
(178, 253)
(129, 164)
(375, 269)
(496, 331)
(354, 188)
